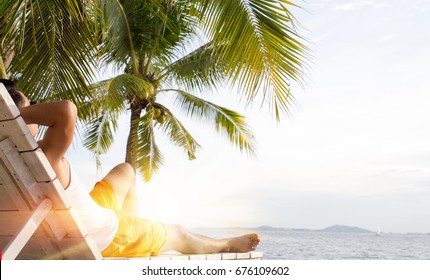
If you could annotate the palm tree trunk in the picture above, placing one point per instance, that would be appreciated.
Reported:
(130, 157)
(6, 49)
(3, 74)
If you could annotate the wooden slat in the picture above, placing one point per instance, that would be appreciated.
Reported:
(31, 251)
(12, 221)
(214, 256)
(62, 223)
(41, 245)
(6, 202)
(18, 132)
(46, 240)
(24, 234)
(241, 256)
(14, 198)
(24, 179)
(39, 165)
(19, 172)
(159, 258)
(256, 255)
(228, 256)
(8, 109)
(54, 191)
(82, 248)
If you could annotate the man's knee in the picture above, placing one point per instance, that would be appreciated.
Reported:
(126, 170)
(179, 232)
(179, 239)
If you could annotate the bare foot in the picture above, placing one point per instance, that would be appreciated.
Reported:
(244, 243)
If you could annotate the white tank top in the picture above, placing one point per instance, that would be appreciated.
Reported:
(101, 223)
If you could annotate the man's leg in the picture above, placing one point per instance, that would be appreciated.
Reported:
(122, 178)
(186, 242)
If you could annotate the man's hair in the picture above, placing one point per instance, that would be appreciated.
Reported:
(13, 92)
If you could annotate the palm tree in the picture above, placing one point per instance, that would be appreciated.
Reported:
(145, 44)
(251, 44)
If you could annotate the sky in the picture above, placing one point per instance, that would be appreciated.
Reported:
(355, 150)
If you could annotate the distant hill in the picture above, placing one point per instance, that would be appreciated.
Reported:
(334, 228)
(270, 228)
(340, 228)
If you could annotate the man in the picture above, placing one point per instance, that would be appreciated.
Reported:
(109, 210)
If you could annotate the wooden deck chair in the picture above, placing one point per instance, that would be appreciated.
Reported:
(36, 220)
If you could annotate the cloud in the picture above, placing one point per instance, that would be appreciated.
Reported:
(386, 38)
(354, 5)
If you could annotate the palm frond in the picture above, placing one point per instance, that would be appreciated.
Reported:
(116, 16)
(227, 122)
(177, 133)
(100, 132)
(263, 50)
(148, 155)
(201, 69)
(54, 48)
(121, 90)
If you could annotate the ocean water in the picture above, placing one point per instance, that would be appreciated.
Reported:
(316, 245)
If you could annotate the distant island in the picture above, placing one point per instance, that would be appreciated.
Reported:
(330, 229)
(334, 228)
(340, 228)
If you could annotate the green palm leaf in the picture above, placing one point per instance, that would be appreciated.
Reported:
(117, 92)
(201, 69)
(262, 48)
(110, 98)
(148, 155)
(177, 133)
(100, 132)
(117, 31)
(225, 121)
(54, 48)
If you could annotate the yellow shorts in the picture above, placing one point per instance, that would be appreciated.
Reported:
(136, 237)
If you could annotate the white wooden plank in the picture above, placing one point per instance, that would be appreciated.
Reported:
(45, 239)
(24, 234)
(8, 109)
(24, 179)
(81, 248)
(40, 245)
(197, 257)
(20, 173)
(39, 165)
(179, 257)
(6, 202)
(31, 251)
(12, 221)
(161, 258)
(55, 191)
(17, 130)
(256, 255)
(13, 193)
(214, 256)
(241, 256)
(228, 256)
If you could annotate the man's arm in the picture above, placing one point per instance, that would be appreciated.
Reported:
(60, 118)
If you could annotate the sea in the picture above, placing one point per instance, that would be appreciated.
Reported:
(320, 245)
